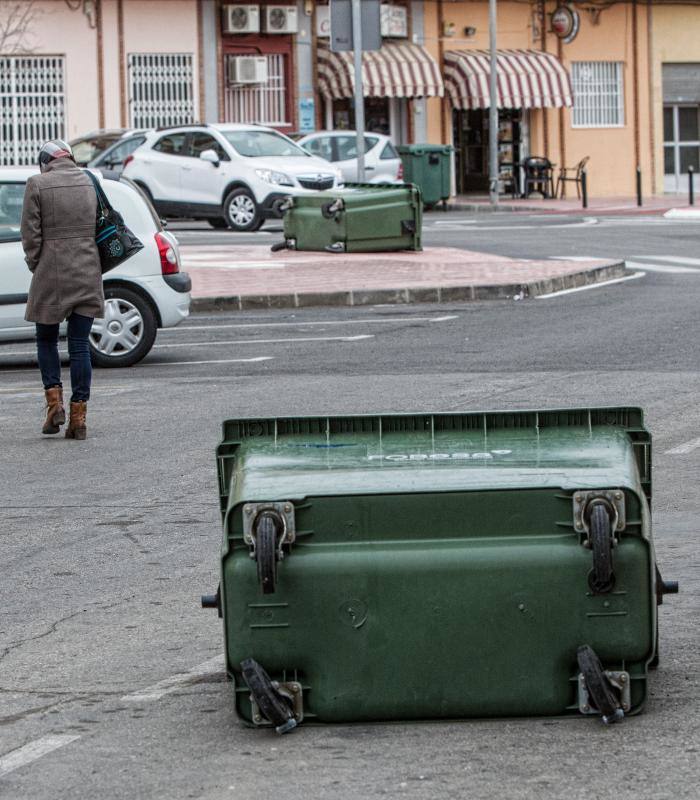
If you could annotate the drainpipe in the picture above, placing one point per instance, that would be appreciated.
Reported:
(493, 106)
(652, 96)
(562, 138)
(635, 84)
(441, 58)
(543, 38)
(100, 66)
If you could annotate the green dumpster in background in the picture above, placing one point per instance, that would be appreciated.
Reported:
(428, 167)
(361, 217)
(413, 566)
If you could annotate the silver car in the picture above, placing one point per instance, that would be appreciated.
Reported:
(382, 162)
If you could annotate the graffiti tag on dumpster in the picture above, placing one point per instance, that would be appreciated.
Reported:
(439, 456)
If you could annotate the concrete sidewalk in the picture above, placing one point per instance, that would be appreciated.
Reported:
(600, 206)
(232, 277)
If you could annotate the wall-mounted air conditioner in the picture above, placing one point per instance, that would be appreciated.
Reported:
(247, 69)
(241, 19)
(280, 19)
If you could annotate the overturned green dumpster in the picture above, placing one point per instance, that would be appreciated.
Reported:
(418, 566)
(358, 218)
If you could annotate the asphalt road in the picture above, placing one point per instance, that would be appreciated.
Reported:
(110, 674)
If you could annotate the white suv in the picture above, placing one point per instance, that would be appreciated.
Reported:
(235, 176)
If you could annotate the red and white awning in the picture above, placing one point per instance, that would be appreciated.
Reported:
(397, 69)
(526, 79)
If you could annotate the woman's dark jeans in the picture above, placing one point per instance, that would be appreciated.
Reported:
(78, 350)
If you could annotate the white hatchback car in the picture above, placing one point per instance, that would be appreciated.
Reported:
(232, 175)
(382, 161)
(145, 293)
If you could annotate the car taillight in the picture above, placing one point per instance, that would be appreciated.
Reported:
(169, 256)
(127, 160)
(399, 174)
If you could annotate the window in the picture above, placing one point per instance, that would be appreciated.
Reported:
(87, 149)
(321, 147)
(598, 94)
(389, 152)
(11, 199)
(31, 106)
(202, 142)
(262, 143)
(161, 89)
(118, 154)
(173, 144)
(346, 146)
(263, 103)
(681, 144)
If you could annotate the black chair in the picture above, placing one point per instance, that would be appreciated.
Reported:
(563, 177)
(538, 176)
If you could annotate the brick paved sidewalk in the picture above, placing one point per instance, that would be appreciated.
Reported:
(599, 206)
(253, 277)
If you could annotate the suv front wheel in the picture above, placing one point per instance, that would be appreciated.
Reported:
(241, 212)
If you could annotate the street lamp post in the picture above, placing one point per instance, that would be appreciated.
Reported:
(493, 107)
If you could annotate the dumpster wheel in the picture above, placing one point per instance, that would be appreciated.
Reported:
(266, 551)
(274, 706)
(601, 578)
(598, 685)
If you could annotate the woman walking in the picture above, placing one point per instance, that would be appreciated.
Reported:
(58, 237)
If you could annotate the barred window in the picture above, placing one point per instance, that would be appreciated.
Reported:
(161, 89)
(264, 103)
(32, 106)
(598, 94)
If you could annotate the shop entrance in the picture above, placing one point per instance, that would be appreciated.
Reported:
(385, 115)
(471, 141)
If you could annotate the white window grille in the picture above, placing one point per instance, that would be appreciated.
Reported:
(32, 106)
(161, 89)
(262, 103)
(598, 94)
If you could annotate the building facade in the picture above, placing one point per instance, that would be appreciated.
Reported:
(616, 83)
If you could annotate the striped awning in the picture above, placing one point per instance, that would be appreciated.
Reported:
(526, 79)
(397, 69)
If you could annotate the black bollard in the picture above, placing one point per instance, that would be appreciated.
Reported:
(584, 188)
(691, 187)
(639, 186)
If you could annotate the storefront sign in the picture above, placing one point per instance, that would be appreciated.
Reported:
(394, 22)
(565, 23)
(323, 21)
(307, 115)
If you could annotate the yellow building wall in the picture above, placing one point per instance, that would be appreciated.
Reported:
(675, 38)
(614, 152)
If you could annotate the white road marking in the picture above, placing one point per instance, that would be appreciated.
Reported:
(662, 268)
(575, 258)
(175, 682)
(674, 259)
(455, 225)
(683, 449)
(270, 341)
(210, 263)
(212, 361)
(368, 321)
(590, 286)
(33, 750)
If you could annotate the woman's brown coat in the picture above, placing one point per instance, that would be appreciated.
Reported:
(58, 237)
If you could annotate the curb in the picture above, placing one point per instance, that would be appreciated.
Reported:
(482, 208)
(404, 296)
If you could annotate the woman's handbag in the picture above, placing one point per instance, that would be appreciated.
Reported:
(115, 242)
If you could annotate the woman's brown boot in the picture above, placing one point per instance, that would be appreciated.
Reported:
(55, 412)
(77, 429)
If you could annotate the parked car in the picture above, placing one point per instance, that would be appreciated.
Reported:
(111, 161)
(86, 148)
(382, 161)
(145, 293)
(235, 176)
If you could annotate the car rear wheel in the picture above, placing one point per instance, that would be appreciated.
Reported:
(241, 212)
(126, 333)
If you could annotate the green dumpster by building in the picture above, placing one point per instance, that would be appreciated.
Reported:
(417, 566)
(428, 167)
(358, 218)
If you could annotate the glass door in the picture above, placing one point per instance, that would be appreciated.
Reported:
(681, 145)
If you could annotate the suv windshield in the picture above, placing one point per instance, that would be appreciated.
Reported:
(262, 143)
(11, 197)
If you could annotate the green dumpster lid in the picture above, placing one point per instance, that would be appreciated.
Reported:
(291, 458)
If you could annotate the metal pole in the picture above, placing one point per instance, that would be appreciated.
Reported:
(493, 107)
(691, 187)
(359, 89)
(584, 188)
(639, 186)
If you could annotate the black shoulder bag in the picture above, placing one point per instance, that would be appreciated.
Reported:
(115, 242)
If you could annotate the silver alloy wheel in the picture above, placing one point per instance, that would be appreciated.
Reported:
(120, 331)
(241, 210)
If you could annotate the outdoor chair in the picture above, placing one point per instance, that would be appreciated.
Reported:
(575, 178)
(538, 176)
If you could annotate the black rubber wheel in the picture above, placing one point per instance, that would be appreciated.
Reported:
(273, 706)
(124, 308)
(266, 552)
(601, 579)
(241, 211)
(217, 222)
(602, 697)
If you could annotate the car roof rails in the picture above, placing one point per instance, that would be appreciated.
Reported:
(184, 125)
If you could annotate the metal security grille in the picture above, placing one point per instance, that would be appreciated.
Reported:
(161, 89)
(32, 106)
(263, 103)
(598, 94)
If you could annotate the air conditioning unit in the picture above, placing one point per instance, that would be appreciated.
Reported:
(241, 19)
(394, 22)
(280, 19)
(247, 69)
